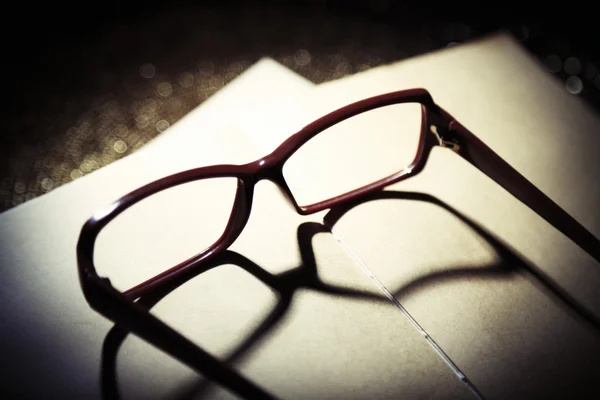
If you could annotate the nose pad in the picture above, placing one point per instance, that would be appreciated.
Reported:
(288, 196)
(284, 189)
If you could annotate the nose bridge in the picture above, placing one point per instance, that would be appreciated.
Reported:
(268, 171)
(274, 174)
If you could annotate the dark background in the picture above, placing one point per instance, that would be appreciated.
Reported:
(88, 83)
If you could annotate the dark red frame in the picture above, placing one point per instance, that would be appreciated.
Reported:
(438, 128)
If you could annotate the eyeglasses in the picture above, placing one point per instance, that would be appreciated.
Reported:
(347, 154)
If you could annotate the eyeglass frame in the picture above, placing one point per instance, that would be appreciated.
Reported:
(438, 128)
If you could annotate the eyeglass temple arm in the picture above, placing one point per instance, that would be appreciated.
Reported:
(487, 161)
(136, 319)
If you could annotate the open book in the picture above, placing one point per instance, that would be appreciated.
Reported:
(443, 287)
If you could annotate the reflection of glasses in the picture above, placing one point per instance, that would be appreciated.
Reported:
(348, 153)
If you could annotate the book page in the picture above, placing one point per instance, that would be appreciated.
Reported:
(288, 308)
(480, 272)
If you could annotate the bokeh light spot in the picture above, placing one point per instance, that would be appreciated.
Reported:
(147, 71)
(120, 146)
(162, 125)
(572, 66)
(186, 80)
(302, 57)
(574, 85)
(553, 63)
(164, 89)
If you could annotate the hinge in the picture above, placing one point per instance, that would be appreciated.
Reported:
(450, 144)
(445, 141)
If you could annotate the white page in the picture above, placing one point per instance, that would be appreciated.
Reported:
(512, 336)
(324, 346)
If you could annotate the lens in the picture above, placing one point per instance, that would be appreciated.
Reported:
(354, 153)
(164, 230)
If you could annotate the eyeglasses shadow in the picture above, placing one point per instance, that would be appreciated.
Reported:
(305, 276)
(510, 260)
